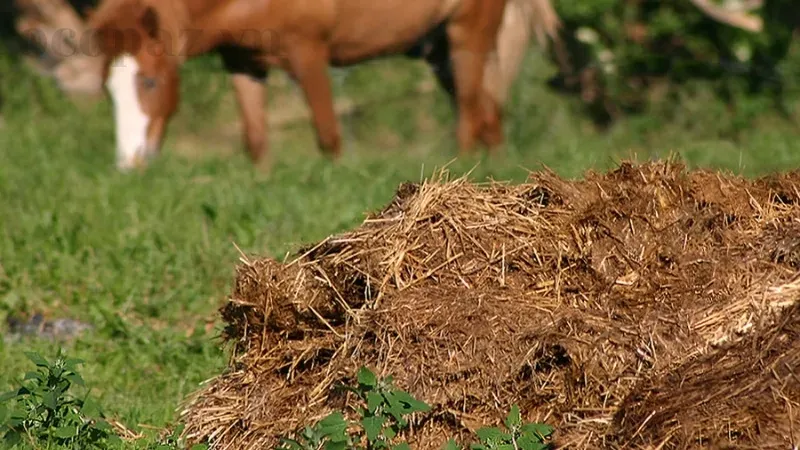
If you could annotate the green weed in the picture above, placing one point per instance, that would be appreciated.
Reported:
(382, 416)
(517, 436)
(173, 441)
(43, 410)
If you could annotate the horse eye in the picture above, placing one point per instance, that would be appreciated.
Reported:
(147, 82)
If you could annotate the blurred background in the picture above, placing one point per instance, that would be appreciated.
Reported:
(144, 259)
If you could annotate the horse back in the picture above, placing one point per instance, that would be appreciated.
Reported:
(367, 28)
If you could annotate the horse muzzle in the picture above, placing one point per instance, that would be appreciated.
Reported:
(138, 160)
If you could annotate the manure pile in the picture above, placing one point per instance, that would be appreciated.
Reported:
(648, 307)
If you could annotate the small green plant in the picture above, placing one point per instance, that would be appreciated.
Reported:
(172, 441)
(518, 436)
(381, 418)
(43, 411)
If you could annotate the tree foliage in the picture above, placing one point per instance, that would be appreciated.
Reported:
(618, 51)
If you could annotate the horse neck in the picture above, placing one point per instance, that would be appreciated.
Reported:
(177, 17)
(195, 9)
(219, 22)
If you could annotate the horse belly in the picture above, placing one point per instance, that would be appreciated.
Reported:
(368, 28)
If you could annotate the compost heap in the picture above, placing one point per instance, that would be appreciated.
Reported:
(649, 307)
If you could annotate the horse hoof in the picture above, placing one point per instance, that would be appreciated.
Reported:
(263, 164)
(493, 139)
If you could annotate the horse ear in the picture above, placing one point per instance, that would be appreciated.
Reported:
(149, 21)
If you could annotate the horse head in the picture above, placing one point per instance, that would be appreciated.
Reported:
(140, 71)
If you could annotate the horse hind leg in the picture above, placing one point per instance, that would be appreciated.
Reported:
(471, 36)
(439, 60)
(435, 50)
(522, 19)
(491, 130)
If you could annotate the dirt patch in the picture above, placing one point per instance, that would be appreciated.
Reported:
(647, 306)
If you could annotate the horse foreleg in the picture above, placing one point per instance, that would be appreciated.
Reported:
(309, 64)
(249, 79)
(250, 98)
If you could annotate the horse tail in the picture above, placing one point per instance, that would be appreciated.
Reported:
(521, 20)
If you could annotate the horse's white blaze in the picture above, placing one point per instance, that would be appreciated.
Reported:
(129, 118)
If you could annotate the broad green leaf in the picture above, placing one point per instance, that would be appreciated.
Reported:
(66, 432)
(3, 414)
(90, 408)
(451, 445)
(408, 403)
(330, 445)
(487, 434)
(372, 427)
(199, 447)
(334, 421)
(37, 359)
(74, 378)
(373, 401)
(49, 400)
(334, 427)
(33, 376)
(514, 419)
(529, 442)
(401, 446)
(71, 363)
(505, 447)
(335, 418)
(16, 419)
(338, 436)
(12, 438)
(8, 396)
(366, 377)
(389, 433)
(475, 446)
(538, 429)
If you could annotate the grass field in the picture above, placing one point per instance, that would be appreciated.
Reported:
(147, 258)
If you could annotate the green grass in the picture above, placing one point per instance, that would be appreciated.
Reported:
(147, 258)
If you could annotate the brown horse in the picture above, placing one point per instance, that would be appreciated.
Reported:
(143, 43)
